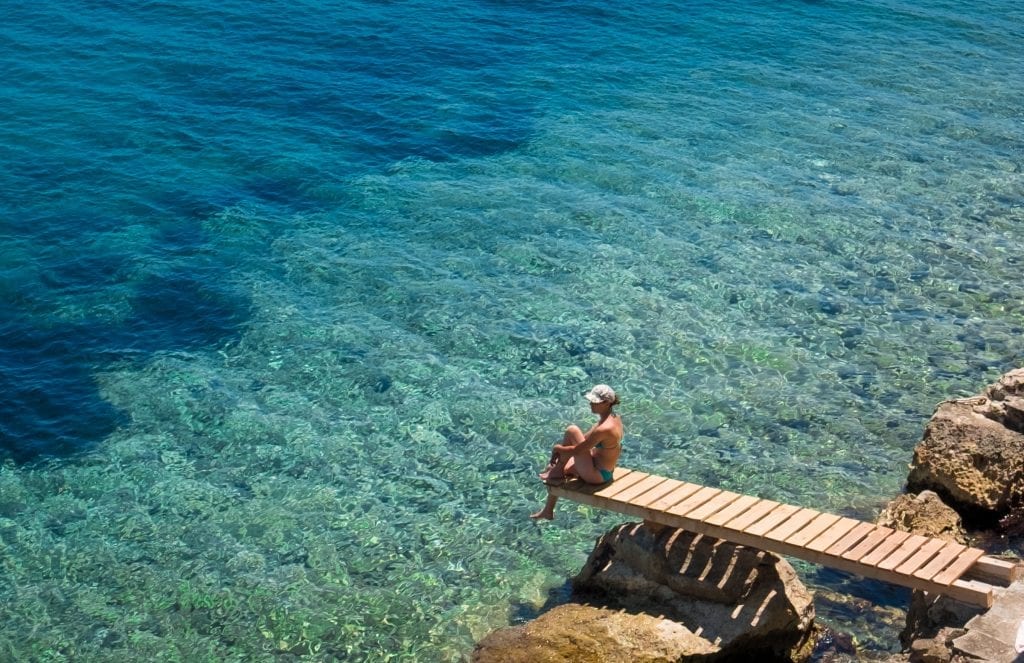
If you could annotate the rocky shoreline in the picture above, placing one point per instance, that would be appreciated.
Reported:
(652, 593)
(972, 454)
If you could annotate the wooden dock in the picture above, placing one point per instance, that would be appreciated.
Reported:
(868, 550)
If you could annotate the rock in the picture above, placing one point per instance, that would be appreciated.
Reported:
(832, 646)
(972, 451)
(929, 650)
(924, 513)
(929, 615)
(1013, 523)
(591, 634)
(938, 649)
(662, 594)
(1006, 399)
(733, 596)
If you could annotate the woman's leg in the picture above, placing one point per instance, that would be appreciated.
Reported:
(548, 512)
(585, 467)
(557, 467)
(582, 464)
(562, 462)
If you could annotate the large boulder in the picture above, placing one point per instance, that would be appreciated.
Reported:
(972, 452)
(661, 594)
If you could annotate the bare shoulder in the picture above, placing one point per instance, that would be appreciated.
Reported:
(612, 427)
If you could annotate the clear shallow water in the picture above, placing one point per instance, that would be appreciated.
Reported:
(294, 302)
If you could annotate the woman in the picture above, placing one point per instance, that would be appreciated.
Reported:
(592, 455)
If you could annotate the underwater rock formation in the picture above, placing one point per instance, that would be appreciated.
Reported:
(972, 451)
(661, 594)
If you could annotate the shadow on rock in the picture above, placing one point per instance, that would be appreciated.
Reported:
(649, 593)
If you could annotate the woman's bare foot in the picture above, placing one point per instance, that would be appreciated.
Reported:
(548, 475)
(546, 515)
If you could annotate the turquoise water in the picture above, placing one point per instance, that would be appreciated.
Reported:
(296, 296)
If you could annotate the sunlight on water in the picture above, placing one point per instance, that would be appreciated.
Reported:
(281, 385)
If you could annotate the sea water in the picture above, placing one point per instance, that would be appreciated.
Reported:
(295, 296)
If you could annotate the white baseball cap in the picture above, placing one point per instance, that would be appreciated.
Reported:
(601, 393)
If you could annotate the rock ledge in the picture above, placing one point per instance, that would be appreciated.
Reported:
(662, 594)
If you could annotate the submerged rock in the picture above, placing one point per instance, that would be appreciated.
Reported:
(662, 594)
(833, 646)
(972, 452)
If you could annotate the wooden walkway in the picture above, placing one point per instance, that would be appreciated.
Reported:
(872, 551)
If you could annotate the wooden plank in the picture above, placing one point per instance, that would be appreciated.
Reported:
(663, 517)
(906, 549)
(974, 594)
(619, 476)
(921, 557)
(751, 515)
(660, 491)
(793, 525)
(675, 497)
(970, 591)
(638, 489)
(777, 516)
(940, 561)
(694, 501)
(870, 542)
(1003, 571)
(852, 538)
(884, 549)
(964, 561)
(820, 523)
(733, 510)
(618, 485)
(713, 506)
(826, 539)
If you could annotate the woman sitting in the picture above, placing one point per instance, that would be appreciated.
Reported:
(592, 455)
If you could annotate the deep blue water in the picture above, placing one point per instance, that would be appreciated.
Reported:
(294, 296)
